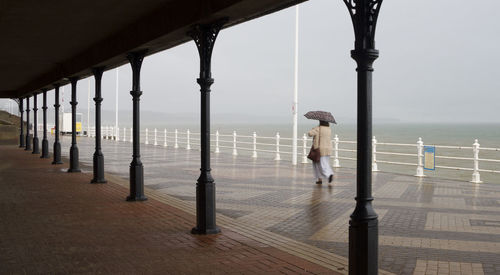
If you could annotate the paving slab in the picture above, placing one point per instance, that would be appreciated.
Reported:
(422, 221)
(54, 222)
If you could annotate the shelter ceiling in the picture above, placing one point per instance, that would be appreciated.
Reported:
(45, 42)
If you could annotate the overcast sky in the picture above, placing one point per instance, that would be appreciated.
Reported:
(438, 63)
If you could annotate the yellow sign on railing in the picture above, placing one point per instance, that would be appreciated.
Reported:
(429, 158)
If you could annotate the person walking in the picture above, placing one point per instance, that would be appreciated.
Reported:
(322, 140)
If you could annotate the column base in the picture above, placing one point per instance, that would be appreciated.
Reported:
(36, 146)
(210, 231)
(363, 246)
(57, 153)
(136, 181)
(205, 205)
(27, 146)
(45, 149)
(98, 168)
(21, 141)
(73, 160)
(141, 198)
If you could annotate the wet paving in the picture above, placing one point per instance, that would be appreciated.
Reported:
(426, 225)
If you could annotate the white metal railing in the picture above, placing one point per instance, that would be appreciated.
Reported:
(341, 149)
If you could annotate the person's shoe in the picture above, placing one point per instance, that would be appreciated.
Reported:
(319, 182)
(330, 178)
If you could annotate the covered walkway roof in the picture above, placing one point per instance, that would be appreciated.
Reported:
(44, 42)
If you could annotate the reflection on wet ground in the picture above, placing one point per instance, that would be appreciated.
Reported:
(424, 223)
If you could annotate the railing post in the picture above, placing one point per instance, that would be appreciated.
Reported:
(117, 133)
(476, 178)
(146, 141)
(188, 142)
(235, 152)
(124, 134)
(131, 135)
(165, 138)
(278, 157)
(420, 155)
(374, 155)
(254, 154)
(156, 141)
(176, 145)
(217, 142)
(336, 162)
(304, 149)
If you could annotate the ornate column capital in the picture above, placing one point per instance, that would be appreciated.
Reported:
(56, 88)
(97, 72)
(73, 81)
(364, 14)
(35, 106)
(135, 59)
(204, 36)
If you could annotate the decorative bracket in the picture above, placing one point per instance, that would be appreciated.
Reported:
(135, 60)
(97, 72)
(19, 103)
(44, 106)
(364, 14)
(73, 81)
(204, 36)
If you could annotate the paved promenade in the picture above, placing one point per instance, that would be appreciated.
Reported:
(54, 222)
(426, 226)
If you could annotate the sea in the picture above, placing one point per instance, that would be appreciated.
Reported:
(438, 134)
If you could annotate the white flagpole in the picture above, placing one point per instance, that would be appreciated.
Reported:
(295, 89)
(116, 104)
(88, 108)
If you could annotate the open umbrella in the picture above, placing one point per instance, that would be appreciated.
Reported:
(320, 115)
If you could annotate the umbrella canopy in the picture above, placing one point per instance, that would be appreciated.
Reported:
(320, 115)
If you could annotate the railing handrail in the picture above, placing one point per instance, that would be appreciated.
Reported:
(252, 143)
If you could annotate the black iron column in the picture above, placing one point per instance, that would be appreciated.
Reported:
(57, 144)
(98, 156)
(363, 225)
(28, 141)
(136, 167)
(204, 36)
(45, 142)
(36, 143)
(73, 151)
(21, 136)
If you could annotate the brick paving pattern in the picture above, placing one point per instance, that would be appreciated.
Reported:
(426, 225)
(55, 222)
